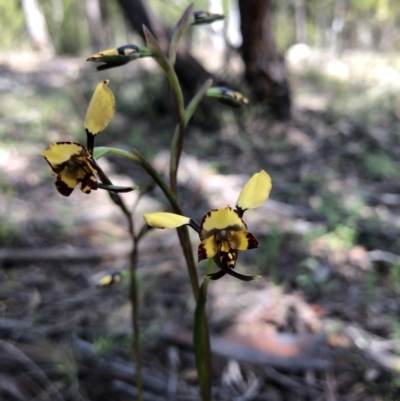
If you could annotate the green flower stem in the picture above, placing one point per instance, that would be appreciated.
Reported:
(194, 103)
(135, 300)
(177, 140)
(134, 290)
(183, 232)
(180, 107)
(169, 71)
(201, 339)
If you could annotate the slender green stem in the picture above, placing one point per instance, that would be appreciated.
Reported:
(190, 109)
(134, 295)
(201, 339)
(134, 291)
(183, 232)
(169, 71)
(177, 146)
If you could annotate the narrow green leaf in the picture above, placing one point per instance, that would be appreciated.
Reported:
(100, 151)
(158, 54)
(180, 28)
(190, 110)
(194, 103)
(201, 342)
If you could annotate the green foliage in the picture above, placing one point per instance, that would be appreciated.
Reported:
(394, 275)
(365, 5)
(12, 21)
(73, 33)
(268, 256)
(380, 166)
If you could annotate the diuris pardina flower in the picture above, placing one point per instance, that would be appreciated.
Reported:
(72, 162)
(222, 232)
(73, 165)
(120, 56)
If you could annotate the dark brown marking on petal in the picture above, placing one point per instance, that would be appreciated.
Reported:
(62, 187)
(217, 275)
(88, 183)
(227, 259)
(252, 241)
(93, 164)
(226, 269)
(206, 216)
(57, 169)
(201, 252)
(121, 50)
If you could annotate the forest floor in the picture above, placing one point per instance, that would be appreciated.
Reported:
(323, 321)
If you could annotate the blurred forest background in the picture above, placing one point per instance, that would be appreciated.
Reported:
(323, 322)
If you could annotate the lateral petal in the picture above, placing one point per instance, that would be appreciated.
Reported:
(255, 192)
(243, 240)
(165, 220)
(207, 249)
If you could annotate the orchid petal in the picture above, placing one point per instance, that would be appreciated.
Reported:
(165, 220)
(255, 192)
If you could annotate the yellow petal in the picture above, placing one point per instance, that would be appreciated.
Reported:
(103, 53)
(60, 152)
(101, 109)
(207, 249)
(109, 279)
(165, 220)
(255, 192)
(65, 187)
(221, 218)
(242, 240)
(69, 178)
(114, 54)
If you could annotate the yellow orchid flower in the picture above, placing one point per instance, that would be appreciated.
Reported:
(73, 165)
(222, 232)
(120, 56)
(72, 162)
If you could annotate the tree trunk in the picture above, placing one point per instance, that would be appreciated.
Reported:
(37, 28)
(265, 69)
(191, 74)
(301, 21)
(93, 14)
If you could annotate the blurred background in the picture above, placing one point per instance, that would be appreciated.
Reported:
(322, 323)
